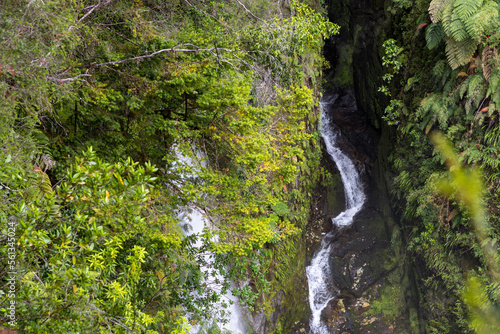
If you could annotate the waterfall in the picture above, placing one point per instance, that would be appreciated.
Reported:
(319, 272)
(193, 221)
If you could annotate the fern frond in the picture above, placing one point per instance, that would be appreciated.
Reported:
(489, 57)
(459, 53)
(477, 24)
(426, 105)
(436, 8)
(476, 92)
(434, 35)
(475, 84)
(495, 98)
(492, 136)
(439, 69)
(455, 28)
(444, 111)
(447, 18)
(435, 107)
(466, 8)
(464, 87)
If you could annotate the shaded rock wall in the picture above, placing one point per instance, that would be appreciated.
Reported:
(377, 293)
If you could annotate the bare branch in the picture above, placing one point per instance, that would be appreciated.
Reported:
(62, 81)
(249, 12)
(177, 49)
(122, 36)
(94, 7)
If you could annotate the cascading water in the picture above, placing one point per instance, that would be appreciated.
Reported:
(197, 222)
(193, 222)
(319, 272)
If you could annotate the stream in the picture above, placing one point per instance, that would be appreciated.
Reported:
(321, 286)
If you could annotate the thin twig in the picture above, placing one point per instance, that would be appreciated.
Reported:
(94, 7)
(249, 12)
(173, 49)
(62, 81)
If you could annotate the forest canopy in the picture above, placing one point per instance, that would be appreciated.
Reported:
(118, 115)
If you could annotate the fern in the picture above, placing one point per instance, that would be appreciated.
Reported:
(476, 84)
(459, 53)
(464, 86)
(441, 73)
(444, 112)
(491, 157)
(466, 8)
(476, 92)
(434, 35)
(447, 18)
(435, 107)
(493, 91)
(492, 136)
(455, 28)
(495, 101)
(439, 70)
(489, 57)
(477, 24)
(436, 9)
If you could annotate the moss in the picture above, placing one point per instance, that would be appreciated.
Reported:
(391, 302)
(343, 71)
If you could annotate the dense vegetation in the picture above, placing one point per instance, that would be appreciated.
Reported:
(118, 115)
(443, 75)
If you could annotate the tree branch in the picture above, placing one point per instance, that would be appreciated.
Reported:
(62, 81)
(175, 49)
(94, 7)
(249, 12)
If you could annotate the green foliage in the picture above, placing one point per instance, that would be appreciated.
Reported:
(392, 60)
(464, 23)
(94, 253)
(218, 83)
(455, 95)
(467, 187)
(434, 35)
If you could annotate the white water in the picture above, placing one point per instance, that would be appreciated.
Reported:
(319, 272)
(193, 222)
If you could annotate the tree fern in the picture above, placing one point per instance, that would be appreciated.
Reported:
(436, 9)
(454, 27)
(434, 35)
(466, 8)
(464, 23)
(481, 20)
(459, 53)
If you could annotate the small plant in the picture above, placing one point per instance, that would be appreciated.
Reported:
(393, 61)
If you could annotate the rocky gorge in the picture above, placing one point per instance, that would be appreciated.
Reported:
(375, 283)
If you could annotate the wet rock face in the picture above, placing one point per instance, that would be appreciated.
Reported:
(371, 275)
(359, 138)
(368, 273)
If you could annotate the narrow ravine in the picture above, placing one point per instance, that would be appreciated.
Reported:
(321, 286)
